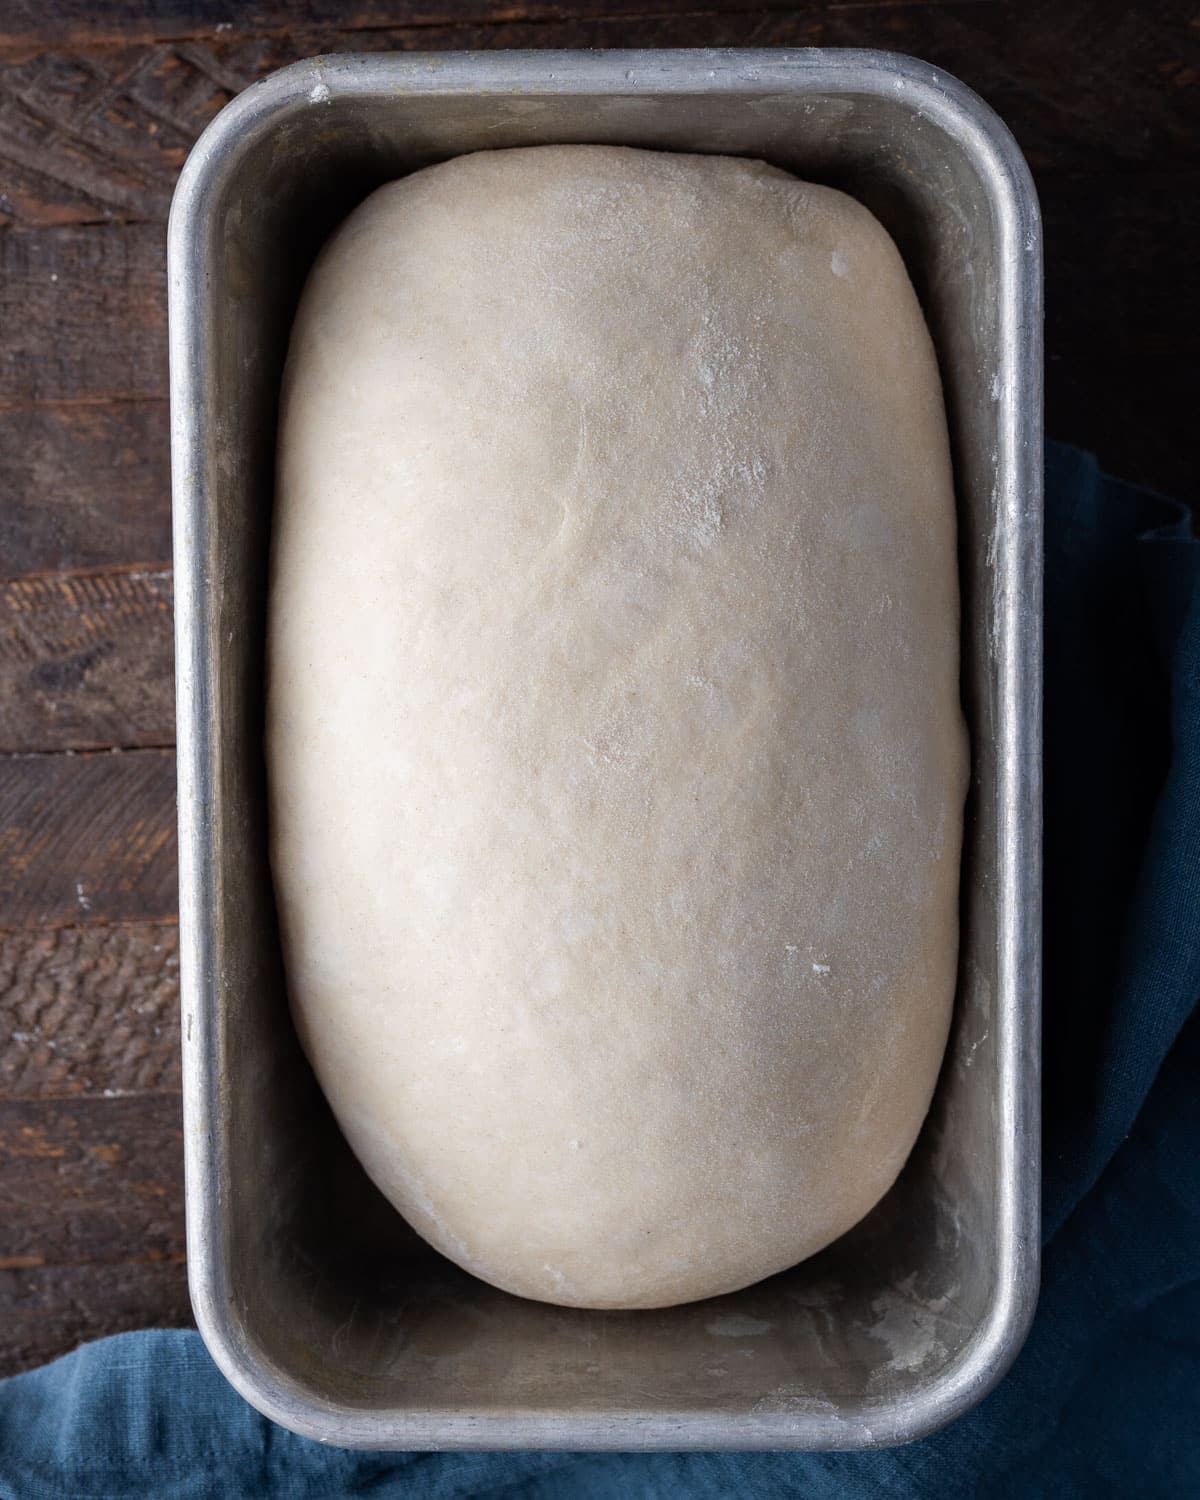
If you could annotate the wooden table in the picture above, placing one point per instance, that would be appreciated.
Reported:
(99, 103)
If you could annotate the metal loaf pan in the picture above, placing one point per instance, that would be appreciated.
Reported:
(315, 1299)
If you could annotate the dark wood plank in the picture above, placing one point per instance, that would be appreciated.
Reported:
(84, 485)
(78, 23)
(87, 1180)
(89, 1010)
(100, 132)
(87, 838)
(48, 1309)
(84, 314)
(78, 144)
(91, 1220)
(86, 660)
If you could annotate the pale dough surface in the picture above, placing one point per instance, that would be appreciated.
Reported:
(616, 757)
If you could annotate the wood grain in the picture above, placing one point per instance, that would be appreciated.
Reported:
(87, 838)
(77, 23)
(91, 1220)
(89, 1010)
(79, 142)
(60, 1161)
(100, 131)
(94, 135)
(86, 660)
(47, 1309)
(84, 485)
(84, 314)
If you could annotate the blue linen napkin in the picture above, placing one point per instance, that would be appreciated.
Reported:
(1105, 1398)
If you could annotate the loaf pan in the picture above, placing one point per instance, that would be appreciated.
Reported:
(316, 1300)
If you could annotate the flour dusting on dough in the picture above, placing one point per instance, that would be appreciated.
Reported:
(613, 695)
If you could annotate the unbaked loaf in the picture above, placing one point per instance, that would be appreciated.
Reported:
(613, 728)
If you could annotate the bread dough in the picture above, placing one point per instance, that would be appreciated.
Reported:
(616, 757)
